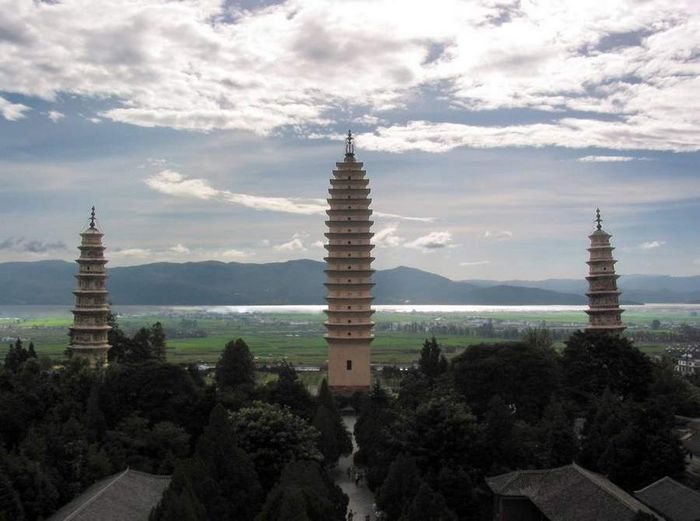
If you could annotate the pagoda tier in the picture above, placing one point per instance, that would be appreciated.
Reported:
(349, 326)
(604, 313)
(91, 312)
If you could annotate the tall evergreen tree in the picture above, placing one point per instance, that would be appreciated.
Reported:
(342, 436)
(231, 489)
(31, 353)
(428, 505)
(558, 443)
(157, 341)
(291, 392)
(432, 362)
(235, 368)
(399, 487)
(179, 500)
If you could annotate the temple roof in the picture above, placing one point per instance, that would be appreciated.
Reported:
(570, 493)
(671, 499)
(127, 496)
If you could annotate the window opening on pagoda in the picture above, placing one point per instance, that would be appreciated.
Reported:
(348, 364)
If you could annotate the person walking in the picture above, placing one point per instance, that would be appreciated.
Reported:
(351, 515)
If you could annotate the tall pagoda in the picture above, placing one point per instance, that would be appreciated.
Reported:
(349, 326)
(91, 312)
(604, 313)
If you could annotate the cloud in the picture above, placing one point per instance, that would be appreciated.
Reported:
(55, 115)
(21, 244)
(386, 237)
(132, 252)
(206, 65)
(295, 244)
(609, 159)
(12, 111)
(318, 244)
(652, 245)
(432, 241)
(231, 254)
(497, 235)
(475, 263)
(179, 248)
(177, 185)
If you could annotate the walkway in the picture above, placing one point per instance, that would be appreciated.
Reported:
(361, 498)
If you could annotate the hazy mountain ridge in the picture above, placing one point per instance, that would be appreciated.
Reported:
(638, 288)
(291, 282)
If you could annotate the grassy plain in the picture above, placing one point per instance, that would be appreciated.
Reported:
(298, 337)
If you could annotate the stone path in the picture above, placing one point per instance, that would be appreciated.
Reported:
(361, 498)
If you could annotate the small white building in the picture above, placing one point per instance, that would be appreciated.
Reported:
(689, 361)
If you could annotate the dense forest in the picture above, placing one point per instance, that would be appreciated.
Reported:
(239, 449)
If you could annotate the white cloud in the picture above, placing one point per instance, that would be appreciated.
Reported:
(205, 65)
(12, 111)
(318, 244)
(176, 184)
(475, 263)
(231, 254)
(55, 115)
(295, 244)
(386, 237)
(432, 241)
(180, 248)
(497, 235)
(605, 159)
(132, 252)
(652, 245)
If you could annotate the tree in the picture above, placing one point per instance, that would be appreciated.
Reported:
(455, 486)
(376, 447)
(399, 487)
(428, 505)
(645, 450)
(10, 505)
(304, 492)
(440, 432)
(523, 375)
(289, 391)
(557, 441)
(595, 361)
(538, 337)
(31, 353)
(273, 437)
(179, 500)
(432, 362)
(157, 341)
(235, 368)
(606, 418)
(342, 436)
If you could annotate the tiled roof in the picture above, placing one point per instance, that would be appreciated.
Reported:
(127, 496)
(570, 493)
(671, 499)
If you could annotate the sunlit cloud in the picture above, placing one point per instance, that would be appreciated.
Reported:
(497, 235)
(431, 242)
(475, 263)
(652, 245)
(387, 237)
(12, 111)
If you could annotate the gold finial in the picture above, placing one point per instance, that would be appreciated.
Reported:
(598, 219)
(92, 218)
(349, 145)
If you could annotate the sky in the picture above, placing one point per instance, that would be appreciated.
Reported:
(490, 130)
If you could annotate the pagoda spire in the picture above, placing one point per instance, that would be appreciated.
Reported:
(604, 312)
(349, 147)
(349, 326)
(91, 312)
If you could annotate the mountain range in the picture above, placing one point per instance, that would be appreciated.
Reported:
(301, 282)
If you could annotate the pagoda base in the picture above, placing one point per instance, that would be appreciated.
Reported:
(348, 366)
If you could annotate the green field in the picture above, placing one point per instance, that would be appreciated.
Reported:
(298, 337)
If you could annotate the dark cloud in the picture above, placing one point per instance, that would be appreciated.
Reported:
(31, 246)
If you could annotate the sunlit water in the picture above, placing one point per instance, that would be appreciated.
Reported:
(27, 312)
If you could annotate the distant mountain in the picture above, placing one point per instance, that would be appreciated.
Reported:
(218, 283)
(637, 288)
